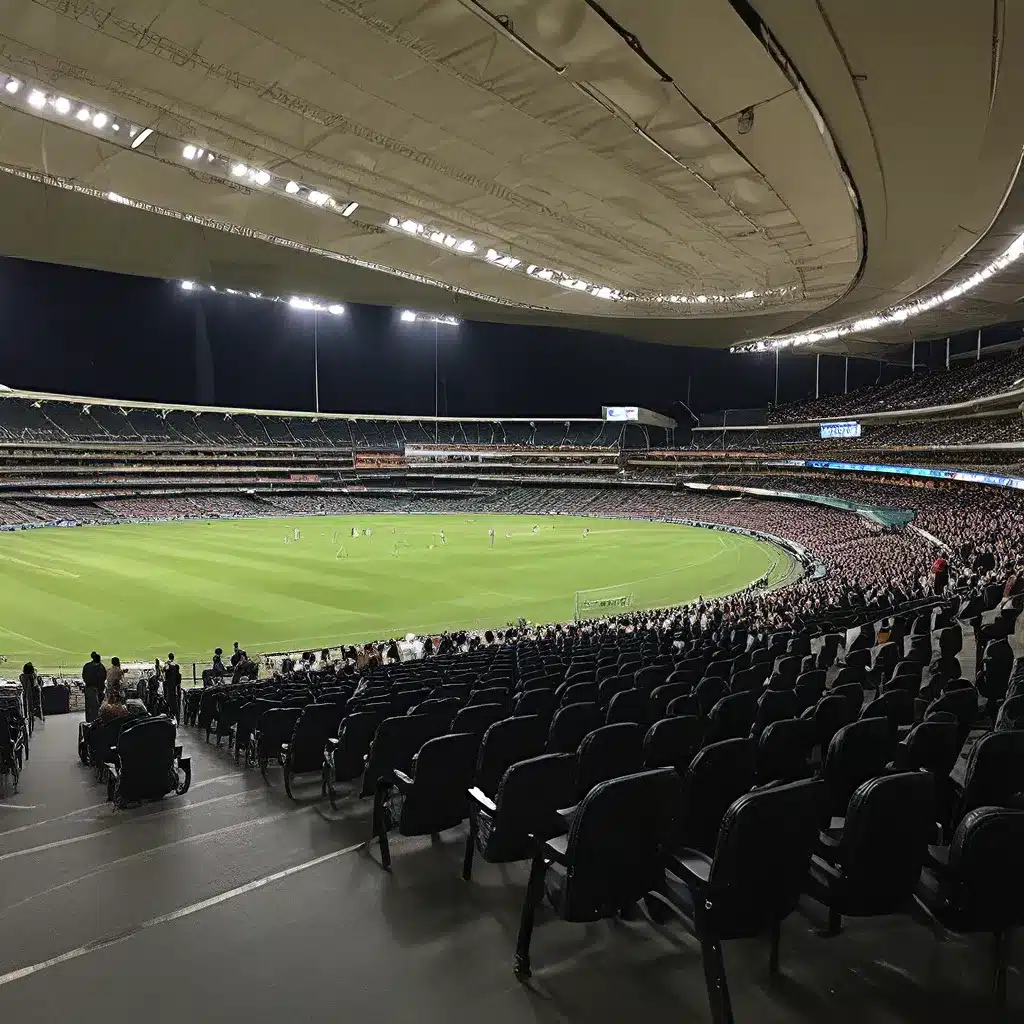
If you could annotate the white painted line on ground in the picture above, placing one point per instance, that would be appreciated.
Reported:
(56, 844)
(18, 807)
(174, 915)
(200, 837)
(106, 803)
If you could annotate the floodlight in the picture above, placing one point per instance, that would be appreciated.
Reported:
(62, 105)
(466, 245)
(492, 255)
(262, 178)
(187, 285)
(37, 99)
(141, 137)
(238, 170)
(292, 187)
(437, 236)
(392, 222)
(318, 198)
(350, 209)
(412, 226)
(545, 275)
(12, 86)
(189, 152)
(99, 120)
(336, 309)
(450, 240)
(408, 316)
(83, 114)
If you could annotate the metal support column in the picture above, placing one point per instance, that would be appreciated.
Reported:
(913, 355)
(846, 376)
(947, 353)
(978, 358)
(777, 376)
(817, 375)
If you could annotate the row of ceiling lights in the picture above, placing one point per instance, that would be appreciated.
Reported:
(319, 306)
(894, 315)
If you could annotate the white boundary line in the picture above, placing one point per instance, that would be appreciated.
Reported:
(175, 915)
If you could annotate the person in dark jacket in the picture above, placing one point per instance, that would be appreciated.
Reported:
(172, 685)
(94, 676)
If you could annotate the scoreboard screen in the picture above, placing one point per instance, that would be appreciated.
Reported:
(851, 429)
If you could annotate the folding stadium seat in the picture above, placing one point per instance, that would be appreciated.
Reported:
(491, 695)
(147, 764)
(850, 674)
(784, 751)
(994, 775)
(895, 705)
(629, 706)
(748, 679)
(505, 743)
(858, 752)
(647, 679)
(810, 687)
(577, 693)
(751, 884)
(478, 718)
(874, 867)
(438, 707)
(920, 649)
(773, 706)
(951, 641)
(863, 640)
(981, 887)
(906, 675)
(1011, 715)
(922, 624)
(684, 705)
(570, 724)
(405, 700)
(304, 751)
(526, 804)
(275, 729)
(718, 775)
(607, 753)
(535, 702)
(885, 658)
(345, 757)
(858, 659)
(672, 743)
(709, 691)
(663, 695)
(611, 859)
(996, 666)
(436, 793)
(787, 668)
(961, 701)
(759, 656)
(732, 716)
(853, 692)
(395, 745)
(611, 686)
(931, 745)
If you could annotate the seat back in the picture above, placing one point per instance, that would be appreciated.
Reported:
(577, 693)
(962, 702)
(506, 742)
(395, 744)
(145, 750)
(851, 691)
(460, 691)
(672, 743)
(406, 699)
(985, 884)
(885, 838)
(773, 706)
(490, 695)
(355, 735)
(478, 718)
(607, 753)
(1011, 715)
(732, 716)
(930, 745)
(439, 799)
(570, 724)
(616, 846)
(535, 702)
(718, 775)
(438, 707)
(663, 695)
(830, 714)
(709, 692)
(686, 704)
(612, 686)
(276, 727)
(858, 752)
(762, 856)
(313, 728)
(784, 750)
(810, 687)
(895, 705)
(995, 771)
(629, 706)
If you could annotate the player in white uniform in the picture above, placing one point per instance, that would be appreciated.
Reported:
(586, 533)
(490, 533)
(536, 530)
(444, 543)
(355, 531)
(295, 534)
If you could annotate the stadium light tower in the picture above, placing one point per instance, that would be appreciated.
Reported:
(316, 308)
(439, 320)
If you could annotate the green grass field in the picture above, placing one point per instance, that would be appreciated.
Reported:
(141, 590)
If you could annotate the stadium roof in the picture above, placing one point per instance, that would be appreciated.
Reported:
(702, 173)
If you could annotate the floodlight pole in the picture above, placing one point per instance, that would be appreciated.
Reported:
(776, 375)
(436, 328)
(947, 353)
(316, 361)
(846, 376)
(817, 375)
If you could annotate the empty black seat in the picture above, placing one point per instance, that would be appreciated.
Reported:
(876, 864)
(773, 706)
(829, 715)
(995, 773)
(732, 716)
(490, 695)
(535, 702)
(981, 888)
(436, 794)
(784, 750)
(858, 752)
(478, 718)
(629, 706)
(527, 801)
(612, 686)
(663, 695)
(275, 729)
(394, 746)
(147, 765)
(709, 692)
(570, 724)
(304, 751)
(612, 857)
(345, 757)
(718, 775)
(853, 692)
(672, 743)
(895, 705)
(810, 687)
(686, 705)
(752, 883)
(607, 753)
(505, 743)
(577, 693)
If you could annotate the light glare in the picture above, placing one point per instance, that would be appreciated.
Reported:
(100, 120)
(62, 105)
(37, 99)
(292, 187)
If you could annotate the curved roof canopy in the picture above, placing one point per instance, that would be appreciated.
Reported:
(699, 173)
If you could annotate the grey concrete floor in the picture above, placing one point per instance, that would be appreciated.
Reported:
(186, 909)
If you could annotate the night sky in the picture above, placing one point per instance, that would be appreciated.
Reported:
(74, 331)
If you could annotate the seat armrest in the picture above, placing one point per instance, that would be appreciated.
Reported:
(333, 742)
(691, 866)
(555, 849)
(566, 815)
(403, 781)
(830, 839)
(482, 799)
(111, 769)
(937, 858)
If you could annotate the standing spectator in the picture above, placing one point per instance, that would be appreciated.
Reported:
(115, 700)
(237, 655)
(940, 573)
(172, 685)
(94, 677)
(33, 691)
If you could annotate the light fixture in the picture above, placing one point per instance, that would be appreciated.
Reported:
(116, 127)
(466, 245)
(450, 240)
(413, 227)
(37, 99)
(350, 209)
(292, 187)
(492, 255)
(392, 222)
(408, 316)
(238, 170)
(189, 152)
(141, 137)
(187, 285)
(437, 237)
(99, 120)
(62, 105)
(545, 275)
(262, 177)
(318, 198)
(83, 114)
(336, 309)
(12, 86)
